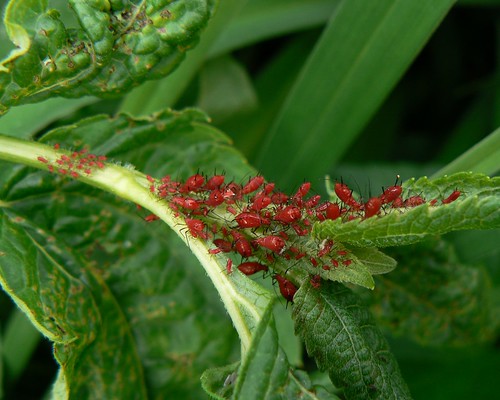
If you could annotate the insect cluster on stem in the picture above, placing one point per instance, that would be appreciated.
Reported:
(261, 225)
(74, 165)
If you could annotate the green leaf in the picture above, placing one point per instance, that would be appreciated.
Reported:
(155, 96)
(264, 372)
(483, 157)
(341, 335)
(262, 19)
(218, 382)
(433, 298)
(19, 341)
(478, 207)
(115, 47)
(225, 90)
(72, 307)
(363, 51)
(25, 121)
(374, 260)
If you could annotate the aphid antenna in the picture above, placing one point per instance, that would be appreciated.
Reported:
(398, 179)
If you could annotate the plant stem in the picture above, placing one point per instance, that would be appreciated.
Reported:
(244, 300)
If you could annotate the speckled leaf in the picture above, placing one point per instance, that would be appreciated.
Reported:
(478, 207)
(340, 333)
(433, 298)
(115, 46)
(74, 308)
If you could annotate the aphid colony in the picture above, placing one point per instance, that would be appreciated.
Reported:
(78, 163)
(254, 221)
(262, 225)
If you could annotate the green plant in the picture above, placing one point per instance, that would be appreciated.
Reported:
(124, 302)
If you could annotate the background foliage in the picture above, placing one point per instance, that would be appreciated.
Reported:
(304, 88)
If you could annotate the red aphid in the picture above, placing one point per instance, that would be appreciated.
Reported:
(300, 231)
(272, 242)
(316, 281)
(253, 184)
(397, 203)
(232, 192)
(260, 202)
(250, 220)
(303, 190)
(312, 201)
(433, 202)
(332, 211)
(224, 245)
(151, 218)
(347, 262)
(372, 207)
(342, 253)
(215, 182)
(229, 266)
(42, 159)
(390, 194)
(314, 262)
(215, 199)
(335, 263)
(268, 188)
(288, 215)
(284, 235)
(242, 246)
(196, 228)
(345, 194)
(150, 178)
(452, 197)
(270, 258)
(325, 247)
(175, 200)
(320, 216)
(287, 288)
(191, 204)
(194, 182)
(57, 146)
(413, 201)
(279, 198)
(252, 267)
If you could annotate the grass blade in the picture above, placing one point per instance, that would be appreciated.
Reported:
(484, 157)
(362, 53)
